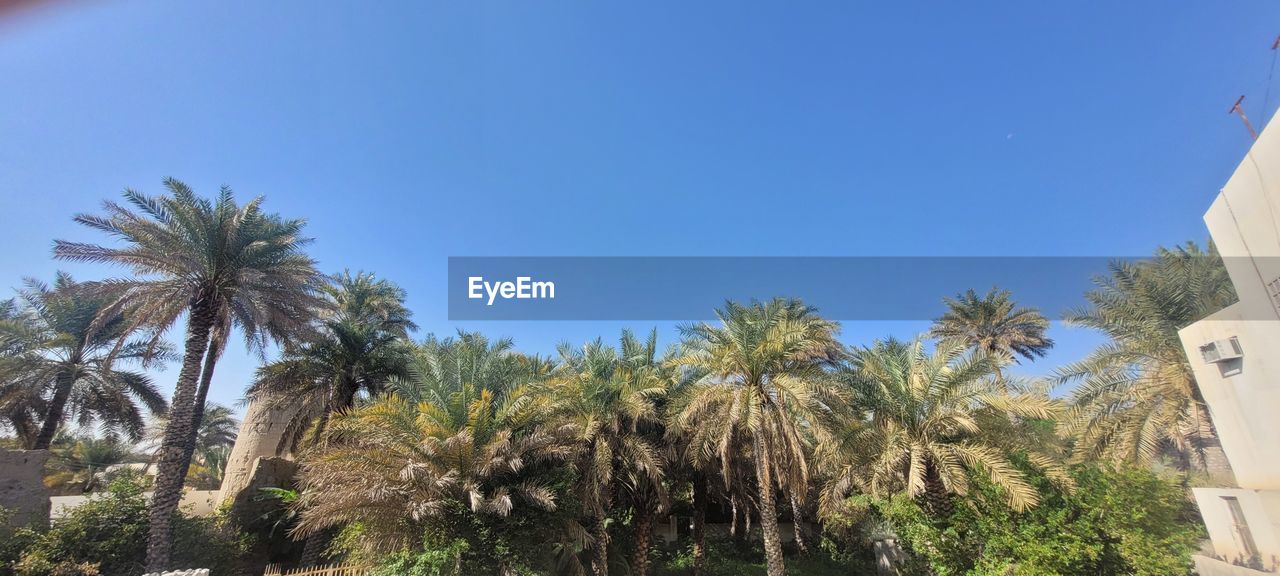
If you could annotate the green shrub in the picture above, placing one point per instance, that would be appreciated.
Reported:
(723, 558)
(1117, 521)
(107, 535)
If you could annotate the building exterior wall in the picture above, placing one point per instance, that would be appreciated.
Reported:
(1244, 405)
(1244, 397)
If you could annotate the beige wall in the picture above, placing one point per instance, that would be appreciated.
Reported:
(1244, 406)
(1244, 221)
(260, 435)
(1259, 507)
(22, 490)
(194, 503)
(1206, 566)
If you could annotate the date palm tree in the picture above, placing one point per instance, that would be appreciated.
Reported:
(764, 386)
(217, 430)
(932, 423)
(217, 264)
(80, 460)
(69, 359)
(361, 344)
(1136, 397)
(610, 396)
(396, 466)
(995, 324)
(21, 403)
(441, 366)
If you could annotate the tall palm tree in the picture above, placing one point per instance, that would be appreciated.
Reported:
(361, 344)
(69, 358)
(609, 395)
(763, 385)
(995, 324)
(932, 422)
(216, 263)
(1137, 398)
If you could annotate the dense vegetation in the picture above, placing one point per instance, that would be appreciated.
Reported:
(461, 455)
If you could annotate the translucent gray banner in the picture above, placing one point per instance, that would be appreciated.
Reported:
(691, 288)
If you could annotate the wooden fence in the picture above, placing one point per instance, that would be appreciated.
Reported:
(326, 570)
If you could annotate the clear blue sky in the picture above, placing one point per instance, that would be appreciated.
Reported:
(406, 133)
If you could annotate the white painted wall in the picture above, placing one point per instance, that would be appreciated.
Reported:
(1244, 221)
(1244, 406)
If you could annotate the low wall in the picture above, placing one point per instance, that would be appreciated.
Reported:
(194, 502)
(1206, 566)
(22, 488)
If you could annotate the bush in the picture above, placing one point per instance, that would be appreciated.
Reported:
(723, 558)
(107, 535)
(1117, 521)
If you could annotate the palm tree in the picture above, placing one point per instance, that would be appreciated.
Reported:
(469, 397)
(361, 345)
(395, 466)
(932, 422)
(69, 358)
(994, 324)
(442, 366)
(21, 404)
(216, 263)
(763, 385)
(80, 460)
(610, 396)
(1137, 398)
(217, 430)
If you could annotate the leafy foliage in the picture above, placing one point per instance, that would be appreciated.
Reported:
(107, 535)
(1116, 522)
(994, 324)
(62, 362)
(930, 426)
(1136, 398)
(358, 348)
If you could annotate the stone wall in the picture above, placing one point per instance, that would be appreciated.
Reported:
(246, 506)
(259, 437)
(22, 488)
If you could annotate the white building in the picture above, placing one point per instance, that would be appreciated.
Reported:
(1235, 354)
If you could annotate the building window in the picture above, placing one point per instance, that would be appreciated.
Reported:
(1240, 529)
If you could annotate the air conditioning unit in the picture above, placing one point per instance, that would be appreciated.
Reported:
(1221, 350)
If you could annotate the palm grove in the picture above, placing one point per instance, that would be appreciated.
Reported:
(462, 455)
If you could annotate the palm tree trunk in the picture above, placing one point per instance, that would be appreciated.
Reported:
(768, 512)
(937, 498)
(796, 524)
(53, 417)
(171, 472)
(216, 345)
(600, 549)
(644, 534)
(700, 523)
(314, 547)
(26, 430)
(735, 531)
